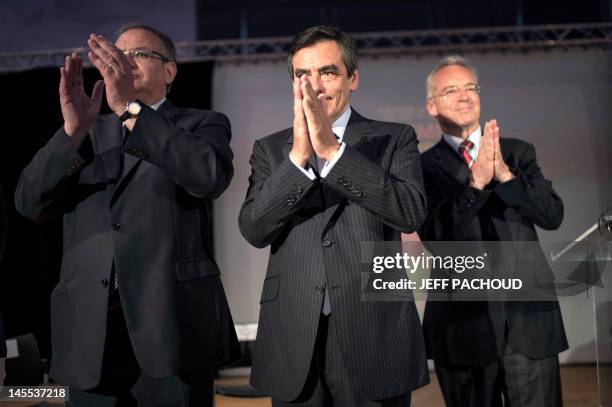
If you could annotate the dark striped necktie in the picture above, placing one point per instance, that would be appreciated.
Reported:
(464, 150)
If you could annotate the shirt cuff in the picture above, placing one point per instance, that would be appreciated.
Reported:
(327, 167)
(308, 172)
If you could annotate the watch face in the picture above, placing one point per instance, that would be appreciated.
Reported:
(133, 108)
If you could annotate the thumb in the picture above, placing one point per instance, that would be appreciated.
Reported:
(98, 90)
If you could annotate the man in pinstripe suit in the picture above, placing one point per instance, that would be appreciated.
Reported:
(317, 190)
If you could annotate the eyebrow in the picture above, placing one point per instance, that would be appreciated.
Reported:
(331, 67)
(457, 86)
(301, 71)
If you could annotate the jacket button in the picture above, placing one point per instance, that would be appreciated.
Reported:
(104, 282)
(320, 290)
(116, 226)
(327, 243)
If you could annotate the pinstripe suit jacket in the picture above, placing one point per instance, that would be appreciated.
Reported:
(315, 230)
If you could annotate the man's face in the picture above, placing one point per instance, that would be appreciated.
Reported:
(460, 109)
(151, 75)
(323, 65)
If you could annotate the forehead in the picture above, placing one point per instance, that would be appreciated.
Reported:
(138, 38)
(317, 55)
(453, 75)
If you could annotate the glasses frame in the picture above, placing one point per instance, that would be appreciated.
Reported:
(147, 53)
(458, 90)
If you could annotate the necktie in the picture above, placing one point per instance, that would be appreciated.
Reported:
(464, 150)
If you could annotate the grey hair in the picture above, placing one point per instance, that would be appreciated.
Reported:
(449, 60)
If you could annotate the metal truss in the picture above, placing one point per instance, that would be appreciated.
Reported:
(523, 38)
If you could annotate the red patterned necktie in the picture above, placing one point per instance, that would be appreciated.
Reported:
(464, 150)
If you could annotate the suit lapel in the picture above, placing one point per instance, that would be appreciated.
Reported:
(131, 164)
(357, 129)
(450, 162)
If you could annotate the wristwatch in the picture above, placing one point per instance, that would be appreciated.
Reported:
(131, 110)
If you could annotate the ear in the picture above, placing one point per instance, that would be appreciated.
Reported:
(170, 72)
(432, 109)
(354, 80)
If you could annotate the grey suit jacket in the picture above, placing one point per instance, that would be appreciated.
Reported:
(464, 333)
(149, 212)
(315, 230)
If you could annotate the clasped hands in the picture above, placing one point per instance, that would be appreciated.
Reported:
(489, 164)
(312, 128)
(80, 110)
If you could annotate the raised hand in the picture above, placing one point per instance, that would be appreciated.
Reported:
(483, 169)
(502, 171)
(322, 137)
(302, 149)
(116, 70)
(78, 109)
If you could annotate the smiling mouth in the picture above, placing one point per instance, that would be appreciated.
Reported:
(465, 109)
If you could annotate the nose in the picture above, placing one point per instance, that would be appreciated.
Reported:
(317, 84)
(132, 61)
(463, 94)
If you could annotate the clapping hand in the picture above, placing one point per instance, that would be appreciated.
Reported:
(78, 109)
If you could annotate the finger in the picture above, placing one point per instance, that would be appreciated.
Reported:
(96, 48)
(496, 131)
(310, 101)
(78, 72)
(68, 65)
(307, 89)
(115, 55)
(487, 129)
(105, 70)
(297, 91)
(63, 86)
(107, 63)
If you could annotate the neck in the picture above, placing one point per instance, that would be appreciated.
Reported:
(458, 131)
(149, 99)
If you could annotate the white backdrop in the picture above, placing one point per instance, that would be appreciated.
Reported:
(559, 100)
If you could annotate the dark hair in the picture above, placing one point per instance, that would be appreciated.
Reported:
(166, 41)
(321, 33)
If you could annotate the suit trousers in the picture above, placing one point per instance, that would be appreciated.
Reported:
(328, 383)
(122, 384)
(512, 381)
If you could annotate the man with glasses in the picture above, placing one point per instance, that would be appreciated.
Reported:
(139, 312)
(317, 191)
(484, 188)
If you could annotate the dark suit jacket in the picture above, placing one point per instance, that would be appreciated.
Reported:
(462, 333)
(315, 230)
(151, 216)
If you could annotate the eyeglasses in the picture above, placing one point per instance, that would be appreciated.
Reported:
(146, 54)
(453, 92)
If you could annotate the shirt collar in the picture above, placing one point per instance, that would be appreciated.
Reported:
(455, 141)
(156, 106)
(339, 126)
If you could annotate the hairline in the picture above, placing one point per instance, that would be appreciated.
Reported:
(451, 60)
